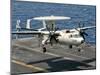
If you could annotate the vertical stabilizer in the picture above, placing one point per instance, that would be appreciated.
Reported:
(28, 24)
(18, 24)
(44, 24)
(17, 27)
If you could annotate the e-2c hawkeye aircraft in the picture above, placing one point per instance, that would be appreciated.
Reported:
(50, 34)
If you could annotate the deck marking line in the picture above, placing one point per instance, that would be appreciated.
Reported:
(28, 66)
(49, 53)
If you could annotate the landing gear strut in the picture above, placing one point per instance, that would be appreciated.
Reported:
(44, 42)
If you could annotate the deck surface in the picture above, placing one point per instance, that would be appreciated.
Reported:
(27, 57)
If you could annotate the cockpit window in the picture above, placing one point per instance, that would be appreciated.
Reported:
(75, 36)
(67, 31)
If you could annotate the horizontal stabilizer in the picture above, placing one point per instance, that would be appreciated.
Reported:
(26, 32)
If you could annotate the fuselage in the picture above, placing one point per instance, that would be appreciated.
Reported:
(68, 37)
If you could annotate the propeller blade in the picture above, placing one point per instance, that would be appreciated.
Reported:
(53, 38)
(85, 33)
(82, 32)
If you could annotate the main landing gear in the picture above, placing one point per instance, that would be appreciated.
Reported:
(70, 46)
(44, 49)
(79, 50)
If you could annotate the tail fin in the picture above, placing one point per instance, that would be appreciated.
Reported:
(28, 25)
(44, 24)
(18, 24)
(17, 27)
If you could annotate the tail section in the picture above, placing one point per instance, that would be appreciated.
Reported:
(44, 24)
(18, 25)
(28, 24)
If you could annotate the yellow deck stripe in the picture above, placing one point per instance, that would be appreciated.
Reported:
(28, 66)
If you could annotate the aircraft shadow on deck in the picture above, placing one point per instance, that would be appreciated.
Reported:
(59, 64)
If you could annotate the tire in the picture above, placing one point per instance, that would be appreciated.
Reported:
(70, 46)
(44, 49)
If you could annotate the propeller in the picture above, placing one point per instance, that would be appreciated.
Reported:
(82, 32)
(52, 36)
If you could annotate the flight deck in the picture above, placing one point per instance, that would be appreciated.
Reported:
(27, 57)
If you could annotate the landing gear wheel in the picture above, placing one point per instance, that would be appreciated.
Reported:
(79, 50)
(70, 46)
(44, 49)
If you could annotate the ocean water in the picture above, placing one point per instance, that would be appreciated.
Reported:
(79, 14)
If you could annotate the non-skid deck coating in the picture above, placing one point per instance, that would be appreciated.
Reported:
(27, 57)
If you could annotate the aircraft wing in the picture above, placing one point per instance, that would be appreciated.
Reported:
(85, 28)
(33, 32)
(26, 32)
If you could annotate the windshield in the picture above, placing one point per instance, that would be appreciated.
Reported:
(75, 36)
